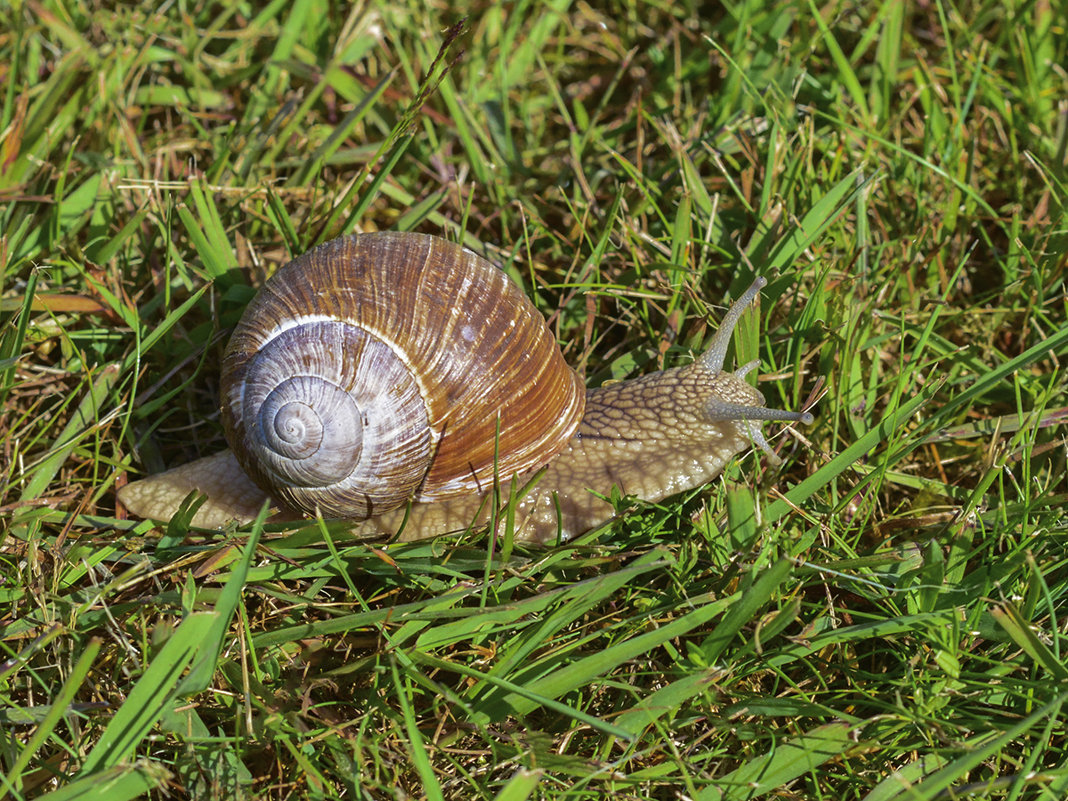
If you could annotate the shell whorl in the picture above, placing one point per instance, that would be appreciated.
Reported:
(382, 368)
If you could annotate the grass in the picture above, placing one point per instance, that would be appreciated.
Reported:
(881, 618)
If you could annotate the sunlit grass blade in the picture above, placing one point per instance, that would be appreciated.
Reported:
(985, 382)
(1009, 618)
(784, 763)
(87, 414)
(151, 695)
(667, 700)
(579, 673)
(14, 337)
(742, 611)
(885, 432)
(815, 221)
(58, 709)
(417, 747)
(523, 695)
(216, 255)
(975, 752)
(119, 783)
(896, 785)
(226, 605)
(521, 786)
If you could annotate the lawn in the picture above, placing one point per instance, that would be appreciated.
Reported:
(878, 618)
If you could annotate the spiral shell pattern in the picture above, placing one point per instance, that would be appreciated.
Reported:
(383, 368)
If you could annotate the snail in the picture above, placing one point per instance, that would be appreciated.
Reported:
(393, 378)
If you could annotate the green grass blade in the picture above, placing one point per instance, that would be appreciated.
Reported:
(151, 696)
(87, 415)
(166, 326)
(816, 220)
(1010, 619)
(523, 696)
(119, 783)
(578, 674)
(667, 700)
(206, 662)
(985, 383)
(884, 432)
(896, 785)
(59, 707)
(521, 786)
(742, 611)
(14, 339)
(782, 764)
(977, 751)
(845, 71)
(417, 748)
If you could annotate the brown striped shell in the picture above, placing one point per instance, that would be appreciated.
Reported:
(383, 368)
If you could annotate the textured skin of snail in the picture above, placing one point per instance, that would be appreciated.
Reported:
(650, 437)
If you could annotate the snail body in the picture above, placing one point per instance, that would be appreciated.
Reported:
(428, 325)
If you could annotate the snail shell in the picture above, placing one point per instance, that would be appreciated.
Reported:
(382, 368)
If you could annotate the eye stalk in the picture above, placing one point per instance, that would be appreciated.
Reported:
(713, 359)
